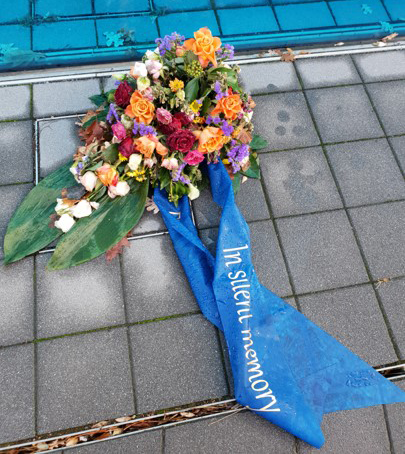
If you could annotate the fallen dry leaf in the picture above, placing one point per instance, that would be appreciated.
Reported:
(124, 419)
(150, 205)
(187, 414)
(117, 431)
(72, 441)
(118, 248)
(99, 424)
(389, 37)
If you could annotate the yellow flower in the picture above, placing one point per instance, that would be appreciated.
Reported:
(122, 158)
(194, 106)
(176, 85)
(199, 120)
(139, 175)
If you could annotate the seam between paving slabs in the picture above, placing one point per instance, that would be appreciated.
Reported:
(389, 431)
(130, 357)
(378, 118)
(359, 246)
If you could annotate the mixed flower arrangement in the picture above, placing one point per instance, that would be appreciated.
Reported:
(178, 109)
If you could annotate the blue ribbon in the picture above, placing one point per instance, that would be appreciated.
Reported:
(285, 368)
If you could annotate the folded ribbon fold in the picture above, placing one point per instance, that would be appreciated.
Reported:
(285, 368)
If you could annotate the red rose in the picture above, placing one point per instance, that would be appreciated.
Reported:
(171, 127)
(184, 119)
(181, 140)
(123, 94)
(126, 147)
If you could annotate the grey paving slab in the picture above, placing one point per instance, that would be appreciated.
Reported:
(380, 229)
(16, 145)
(168, 293)
(378, 66)
(83, 379)
(250, 200)
(392, 295)
(17, 302)
(389, 101)
(266, 255)
(62, 98)
(176, 361)
(321, 251)
(398, 144)
(269, 77)
(366, 172)
(396, 421)
(81, 298)
(17, 393)
(360, 431)
(149, 223)
(109, 82)
(240, 433)
(299, 181)
(143, 443)
(353, 317)
(16, 102)
(284, 120)
(344, 113)
(11, 197)
(58, 140)
(327, 71)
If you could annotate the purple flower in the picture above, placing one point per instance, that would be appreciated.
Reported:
(112, 112)
(177, 174)
(143, 130)
(227, 128)
(165, 44)
(209, 120)
(236, 155)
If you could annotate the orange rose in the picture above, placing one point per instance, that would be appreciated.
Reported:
(148, 144)
(107, 175)
(140, 108)
(209, 139)
(204, 45)
(230, 106)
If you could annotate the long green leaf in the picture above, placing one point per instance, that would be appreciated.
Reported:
(258, 143)
(94, 235)
(254, 170)
(28, 229)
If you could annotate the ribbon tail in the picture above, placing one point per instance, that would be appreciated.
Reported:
(197, 261)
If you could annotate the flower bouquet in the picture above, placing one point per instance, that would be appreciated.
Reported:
(179, 118)
(178, 108)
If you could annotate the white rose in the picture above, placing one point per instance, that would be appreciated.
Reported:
(89, 180)
(65, 222)
(134, 161)
(193, 192)
(121, 189)
(81, 209)
(139, 70)
(95, 205)
(153, 67)
(152, 55)
(142, 83)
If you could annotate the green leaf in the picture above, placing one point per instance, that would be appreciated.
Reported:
(253, 171)
(28, 229)
(110, 154)
(258, 143)
(205, 106)
(164, 177)
(191, 89)
(221, 69)
(98, 99)
(99, 232)
(236, 182)
(233, 83)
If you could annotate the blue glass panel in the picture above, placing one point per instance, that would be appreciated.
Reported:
(354, 12)
(63, 7)
(304, 15)
(247, 20)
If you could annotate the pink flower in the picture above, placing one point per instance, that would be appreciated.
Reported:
(147, 94)
(153, 67)
(119, 131)
(194, 157)
(170, 163)
(163, 116)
